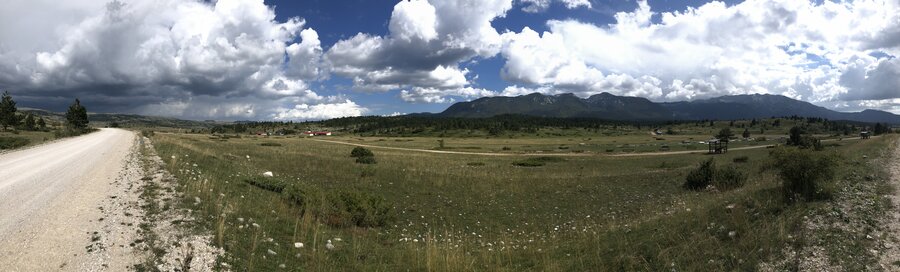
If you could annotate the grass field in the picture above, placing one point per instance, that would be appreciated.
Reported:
(458, 212)
(31, 137)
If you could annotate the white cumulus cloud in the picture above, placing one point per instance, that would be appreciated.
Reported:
(422, 53)
(320, 111)
(172, 57)
(813, 51)
(533, 6)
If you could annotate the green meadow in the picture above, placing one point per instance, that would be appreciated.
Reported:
(472, 212)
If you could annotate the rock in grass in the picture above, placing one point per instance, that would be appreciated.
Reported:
(268, 174)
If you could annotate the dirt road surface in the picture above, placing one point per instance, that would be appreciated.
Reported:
(57, 200)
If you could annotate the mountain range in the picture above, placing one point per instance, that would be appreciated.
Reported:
(612, 107)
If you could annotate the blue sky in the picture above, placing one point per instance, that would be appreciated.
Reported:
(338, 20)
(319, 59)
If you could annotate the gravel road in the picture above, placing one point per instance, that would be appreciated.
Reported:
(57, 200)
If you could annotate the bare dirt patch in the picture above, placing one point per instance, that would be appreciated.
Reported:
(172, 245)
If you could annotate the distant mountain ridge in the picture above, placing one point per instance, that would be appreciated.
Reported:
(612, 107)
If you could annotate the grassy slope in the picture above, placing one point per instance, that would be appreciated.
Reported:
(586, 213)
(34, 137)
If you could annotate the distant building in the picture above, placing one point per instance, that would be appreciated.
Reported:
(865, 134)
(318, 133)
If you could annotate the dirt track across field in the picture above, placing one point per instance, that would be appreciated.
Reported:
(67, 205)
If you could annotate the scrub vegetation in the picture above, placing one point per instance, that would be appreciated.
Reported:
(301, 203)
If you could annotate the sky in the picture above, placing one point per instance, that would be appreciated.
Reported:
(320, 59)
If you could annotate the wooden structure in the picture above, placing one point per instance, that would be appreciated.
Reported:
(865, 135)
(718, 146)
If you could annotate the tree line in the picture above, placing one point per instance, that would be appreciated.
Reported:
(10, 117)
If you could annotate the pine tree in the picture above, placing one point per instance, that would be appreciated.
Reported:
(76, 116)
(8, 116)
(725, 134)
(41, 123)
(29, 122)
(746, 133)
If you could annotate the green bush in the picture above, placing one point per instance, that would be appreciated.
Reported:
(741, 159)
(707, 174)
(342, 209)
(805, 174)
(269, 144)
(729, 178)
(361, 152)
(303, 196)
(269, 184)
(366, 160)
(537, 161)
(527, 163)
(13, 142)
(366, 210)
(147, 133)
(475, 164)
(701, 177)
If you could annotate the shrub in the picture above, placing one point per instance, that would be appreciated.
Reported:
(475, 164)
(799, 138)
(147, 133)
(365, 210)
(342, 209)
(13, 142)
(708, 174)
(741, 159)
(366, 160)
(538, 161)
(269, 144)
(701, 177)
(361, 152)
(804, 173)
(268, 184)
(528, 163)
(729, 178)
(506, 148)
(302, 196)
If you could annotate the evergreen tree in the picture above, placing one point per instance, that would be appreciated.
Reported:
(29, 122)
(796, 136)
(746, 133)
(76, 116)
(725, 134)
(8, 116)
(41, 124)
(881, 129)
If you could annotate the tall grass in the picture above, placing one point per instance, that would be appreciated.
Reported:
(583, 213)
